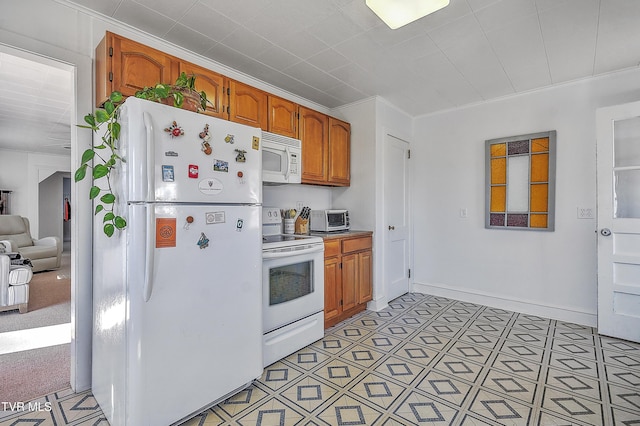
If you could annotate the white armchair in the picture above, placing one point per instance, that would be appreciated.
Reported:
(44, 253)
(14, 284)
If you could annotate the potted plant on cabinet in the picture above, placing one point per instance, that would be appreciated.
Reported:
(103, 157)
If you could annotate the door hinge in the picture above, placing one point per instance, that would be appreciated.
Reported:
(340, 302)
(408, 154)
(111, 51)
(110, 76)
(409, 273)
(340, 265)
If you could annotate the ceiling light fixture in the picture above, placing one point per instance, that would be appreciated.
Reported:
(396, 13)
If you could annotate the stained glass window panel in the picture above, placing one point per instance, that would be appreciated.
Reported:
(539, 197)
(540, 145)
(498, 171)
(499, 150)
(539, 167)
(538, 221)
(498, 198)
(520, 182)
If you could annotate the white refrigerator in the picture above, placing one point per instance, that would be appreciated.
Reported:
(177, 293)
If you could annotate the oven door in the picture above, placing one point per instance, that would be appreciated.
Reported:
(293, 284)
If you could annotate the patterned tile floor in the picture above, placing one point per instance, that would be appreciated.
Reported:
(424, 360)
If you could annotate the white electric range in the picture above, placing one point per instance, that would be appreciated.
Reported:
(292, 288)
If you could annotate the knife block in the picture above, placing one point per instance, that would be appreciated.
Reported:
(302, 226)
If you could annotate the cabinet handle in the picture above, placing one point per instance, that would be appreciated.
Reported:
(391, 228)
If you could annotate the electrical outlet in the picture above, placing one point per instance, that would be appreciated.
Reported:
(299, 206)
(585, 213)
(463, 213)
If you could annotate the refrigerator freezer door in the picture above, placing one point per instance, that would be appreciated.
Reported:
(180, 156)
(199, 335)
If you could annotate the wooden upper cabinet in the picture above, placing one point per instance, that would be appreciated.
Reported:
(127, 66)
(247, 105)
(313, 131)
(283, 117)
(213, 84)
(339, 152)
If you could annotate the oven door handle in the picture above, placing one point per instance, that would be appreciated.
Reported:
(290, 253)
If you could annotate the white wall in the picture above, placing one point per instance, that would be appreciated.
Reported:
(13, 176)
(546, 273)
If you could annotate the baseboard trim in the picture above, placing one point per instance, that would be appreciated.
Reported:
(377, 305)
(523, 306)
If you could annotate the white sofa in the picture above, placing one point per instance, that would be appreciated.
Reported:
(45, 253)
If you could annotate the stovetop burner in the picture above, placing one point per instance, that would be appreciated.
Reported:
(288, 240)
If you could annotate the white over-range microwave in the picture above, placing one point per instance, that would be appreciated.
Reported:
(281, 159)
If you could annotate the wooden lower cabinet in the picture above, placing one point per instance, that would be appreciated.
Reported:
(347, 277)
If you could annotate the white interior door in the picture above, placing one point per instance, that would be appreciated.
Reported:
(396, 196)
(618, 168)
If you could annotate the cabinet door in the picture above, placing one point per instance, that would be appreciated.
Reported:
(136, 66)
(212, 84)
(365, 284)
(332, 288)
(247, 105)
(283, 117)
(349, 281)
(339, 152)
(314, 133)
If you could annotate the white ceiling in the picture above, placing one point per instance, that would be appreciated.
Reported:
(335, 52)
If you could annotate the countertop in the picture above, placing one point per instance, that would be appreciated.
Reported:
(346, 234)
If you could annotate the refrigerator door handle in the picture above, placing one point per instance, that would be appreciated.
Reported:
(149, 173)
(149, 253)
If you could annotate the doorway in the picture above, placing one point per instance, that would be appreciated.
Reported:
(40, 94)
(396, 213)
(618, 172)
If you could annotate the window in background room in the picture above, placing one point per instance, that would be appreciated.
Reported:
(520, 182)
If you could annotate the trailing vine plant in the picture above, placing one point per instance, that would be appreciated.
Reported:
(103, 157)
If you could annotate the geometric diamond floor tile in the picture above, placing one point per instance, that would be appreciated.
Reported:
(517, 366)
(574, 406)
(309, 393)
(208, 418)
(363, 356)
(307, 358)
(416, 353)
(272, 412)
(279, 375)
(338, 372)
(331, 344)
(500, 409)
(510, 385)
(459, 368)
(531, 353)
(624, 376)
(445, 387)
(431, 340)
(377, 390)
(624, 417)
(381, 342)
(399, 369)
(574, 365)
(583, 351)
(470, 351)
(348, 411)
(421, 409)
(625, 398)
(568, 382)
(242, 400)
(422, 360)
(479, 338)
